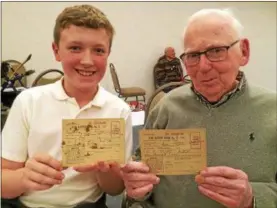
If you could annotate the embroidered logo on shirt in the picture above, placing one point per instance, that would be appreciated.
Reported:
(251, 136)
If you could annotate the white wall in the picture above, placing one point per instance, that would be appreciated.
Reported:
(143, 30)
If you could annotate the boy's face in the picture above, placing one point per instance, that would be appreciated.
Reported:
(83, 53)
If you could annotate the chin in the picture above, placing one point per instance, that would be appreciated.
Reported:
(87, 86)
(213, 95)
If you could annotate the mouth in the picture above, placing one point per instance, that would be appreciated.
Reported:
(208, 80)
(85, 73)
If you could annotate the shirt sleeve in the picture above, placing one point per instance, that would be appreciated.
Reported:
(15, 131)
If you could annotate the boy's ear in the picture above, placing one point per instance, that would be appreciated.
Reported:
(55, 49)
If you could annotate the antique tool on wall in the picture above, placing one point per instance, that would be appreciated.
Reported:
(9, 80)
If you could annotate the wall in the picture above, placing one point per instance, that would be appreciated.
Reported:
(143, 30)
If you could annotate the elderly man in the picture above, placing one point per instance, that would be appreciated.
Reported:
(240, 121)
(168, 69)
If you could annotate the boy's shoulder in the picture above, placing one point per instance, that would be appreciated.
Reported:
(113, 99)
(38, 91)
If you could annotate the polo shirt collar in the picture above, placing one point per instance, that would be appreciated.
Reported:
(60, 94)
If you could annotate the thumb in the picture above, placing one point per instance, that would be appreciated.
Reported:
(115, 167)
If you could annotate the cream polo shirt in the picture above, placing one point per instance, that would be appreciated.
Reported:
(34, 125)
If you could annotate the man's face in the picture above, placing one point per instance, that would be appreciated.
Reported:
(83, 53)
(214, 79)
(170, 53)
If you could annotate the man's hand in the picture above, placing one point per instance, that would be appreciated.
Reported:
(137, 179)
(41, 172)
(226, 185)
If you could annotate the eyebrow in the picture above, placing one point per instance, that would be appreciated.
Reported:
(209, 47)
(99, 45)
(215, 46)
(80, 43)
(75, 42)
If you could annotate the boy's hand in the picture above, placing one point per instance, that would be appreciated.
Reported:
(41, 172)
(99, 167)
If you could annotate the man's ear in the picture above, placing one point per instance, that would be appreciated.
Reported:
(245, 51)
(55, 49)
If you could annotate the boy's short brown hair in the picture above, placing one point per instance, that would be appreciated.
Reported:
(83, 16)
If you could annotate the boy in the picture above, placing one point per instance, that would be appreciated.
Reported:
(31, 151)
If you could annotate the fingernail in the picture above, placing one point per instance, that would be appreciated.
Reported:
(122, 166)
(203, 172)
(157, 180)
(199, 179)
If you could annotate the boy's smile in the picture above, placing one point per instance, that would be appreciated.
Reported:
(85, 73)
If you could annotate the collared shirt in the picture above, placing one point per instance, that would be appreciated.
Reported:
(34, 125)
(239, 87)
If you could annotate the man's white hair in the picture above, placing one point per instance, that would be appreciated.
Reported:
(225, 13)
(166, 49)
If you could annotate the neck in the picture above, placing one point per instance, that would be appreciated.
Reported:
(82, 97)
(169, 59)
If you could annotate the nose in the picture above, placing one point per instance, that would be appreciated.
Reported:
(204, 64)
(87, 59)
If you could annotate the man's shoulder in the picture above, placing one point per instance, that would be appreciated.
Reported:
(176, 60)
(258, 91)
(177, 96)
(173, 103)
(162, 60)
(181, 93)
(261, 99)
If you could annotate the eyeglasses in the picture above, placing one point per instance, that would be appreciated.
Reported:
(213, 54)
